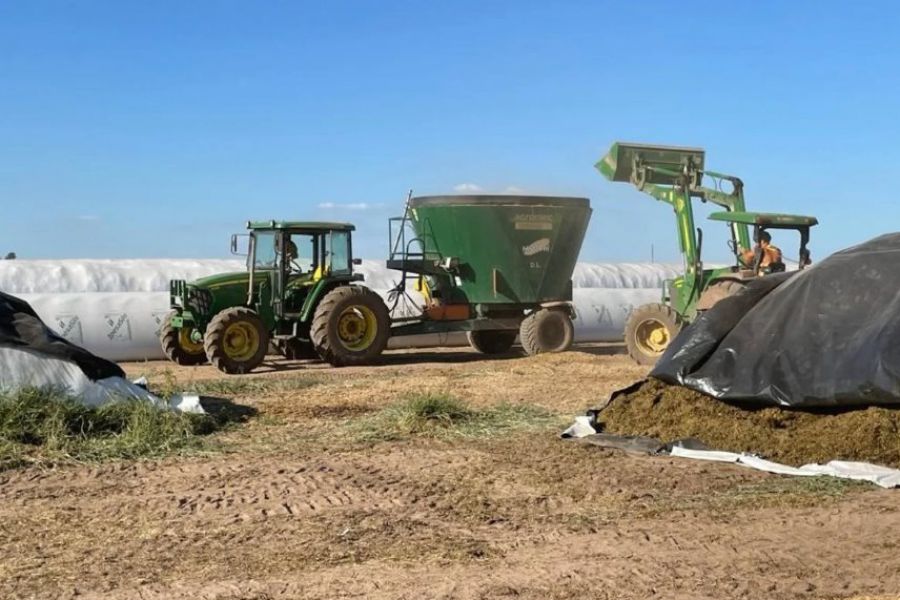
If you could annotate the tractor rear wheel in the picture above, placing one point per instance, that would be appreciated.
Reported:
(718, 290)
(491, 341)
(351, 326)
(546, 330)
(177, 344)
(649, 331)
(236, 340)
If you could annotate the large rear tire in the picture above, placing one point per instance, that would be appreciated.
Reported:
(491, 341)
(718, 290)
(351, 326)
(649, 331)
(546, 330)
(178, 346)
(236, 340)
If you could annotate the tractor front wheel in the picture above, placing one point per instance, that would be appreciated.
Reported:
(546, 330)
(236, 340)
(351, 326)
(649, 331)
(177, 344)
(491, 341)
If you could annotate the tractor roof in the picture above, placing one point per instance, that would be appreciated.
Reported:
(300, 225)
(773, 220)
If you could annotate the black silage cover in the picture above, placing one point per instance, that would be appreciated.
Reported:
(827, 336)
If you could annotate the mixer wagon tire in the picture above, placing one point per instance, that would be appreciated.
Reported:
(178, 346)
(491, 341)
(546, 330)
(718, 290)
(351, 326)
(649, 331)
(236, 340)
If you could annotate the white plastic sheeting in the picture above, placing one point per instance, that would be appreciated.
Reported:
(125, 326)
(115, 326)
(624, 275)
(152, 275)
(881, 476)
(115, 308)
(859, 471)
(19, 277)
(22, 368)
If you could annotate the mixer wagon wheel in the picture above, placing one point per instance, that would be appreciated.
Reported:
(491, 341)
(351, 326)
(236, 340)
(178, 346)
(546, 330)
(649, 331)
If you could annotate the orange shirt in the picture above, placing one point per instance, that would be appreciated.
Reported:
(770, 254)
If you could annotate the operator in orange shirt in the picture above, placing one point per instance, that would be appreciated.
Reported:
(771, 255)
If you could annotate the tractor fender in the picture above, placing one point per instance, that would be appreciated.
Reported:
(318, 292)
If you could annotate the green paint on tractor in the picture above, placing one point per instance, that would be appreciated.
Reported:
(494, 267)
(676, 176)
(500, 249)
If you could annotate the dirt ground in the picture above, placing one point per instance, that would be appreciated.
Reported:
(289, 505)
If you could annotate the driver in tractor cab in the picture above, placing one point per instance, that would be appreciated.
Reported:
(290, 254)
(771, 260)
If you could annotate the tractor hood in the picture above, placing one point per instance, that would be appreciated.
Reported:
(218, 280)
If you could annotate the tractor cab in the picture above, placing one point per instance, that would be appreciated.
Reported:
(752, 262)
(288, 259)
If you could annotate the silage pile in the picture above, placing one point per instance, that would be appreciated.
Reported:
(792, 437)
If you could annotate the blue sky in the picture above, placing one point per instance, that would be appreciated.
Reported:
(155, 129)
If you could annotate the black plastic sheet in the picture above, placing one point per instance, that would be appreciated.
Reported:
(21, 327)
(827, 336)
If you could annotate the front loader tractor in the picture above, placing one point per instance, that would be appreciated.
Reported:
(299, 295)
(674, 175)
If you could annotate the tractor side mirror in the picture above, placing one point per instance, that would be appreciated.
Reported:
(357, 261)
(240, 244)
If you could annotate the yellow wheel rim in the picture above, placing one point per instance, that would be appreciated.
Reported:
(357, 327)
(187, 344)
(241, 341)
(652, 337)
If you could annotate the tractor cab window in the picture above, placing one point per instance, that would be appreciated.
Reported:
(264, 255)
(338, 248)
(300, 251)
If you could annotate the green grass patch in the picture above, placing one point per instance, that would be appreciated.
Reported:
(445, 416)
(47, 426)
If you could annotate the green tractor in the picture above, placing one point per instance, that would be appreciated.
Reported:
(488, 266)
(674, 175)
(299, 295)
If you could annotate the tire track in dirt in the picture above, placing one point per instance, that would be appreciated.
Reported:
(763, 554)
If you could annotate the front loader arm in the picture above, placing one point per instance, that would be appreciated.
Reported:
(731, 202)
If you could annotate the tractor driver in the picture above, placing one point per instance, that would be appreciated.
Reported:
(771, 255)
(290, 256)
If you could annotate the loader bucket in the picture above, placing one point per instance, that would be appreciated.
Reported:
(618, 164)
